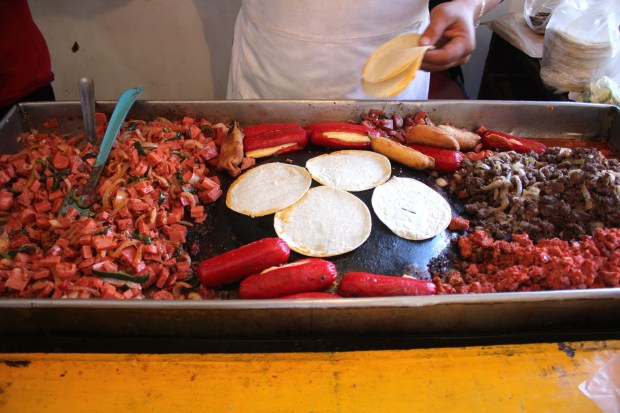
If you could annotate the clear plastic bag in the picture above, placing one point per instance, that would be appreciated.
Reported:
(538, 12)
(580, 41)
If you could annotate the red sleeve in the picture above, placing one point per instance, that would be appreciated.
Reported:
(25, 64)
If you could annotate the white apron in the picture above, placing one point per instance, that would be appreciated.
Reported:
(326, 44)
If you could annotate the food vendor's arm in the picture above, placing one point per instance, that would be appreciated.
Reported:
(452, 32)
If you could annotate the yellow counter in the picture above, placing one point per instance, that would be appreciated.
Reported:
(503, 378)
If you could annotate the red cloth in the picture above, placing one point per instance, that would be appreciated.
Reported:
(25, 64)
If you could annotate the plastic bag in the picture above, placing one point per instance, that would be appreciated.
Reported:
(604, 387)
(581, 40)
(603, 89)
(538, 12)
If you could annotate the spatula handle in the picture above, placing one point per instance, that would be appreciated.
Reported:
(86, 87)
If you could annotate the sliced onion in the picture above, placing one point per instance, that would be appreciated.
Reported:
(193, 144)
(587, 197)
(122, 246)
(498, 183)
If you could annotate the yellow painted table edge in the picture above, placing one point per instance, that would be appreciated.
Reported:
(503, 378)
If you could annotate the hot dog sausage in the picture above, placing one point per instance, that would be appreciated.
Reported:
(312, 274)
(314, 294)
(364, 284)
(237, 264)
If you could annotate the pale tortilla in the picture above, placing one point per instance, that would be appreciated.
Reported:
(393, 65)
(391, 58)
(410, 209)
(268, 188)
(350, 170)
(325, 222)
(392, 86)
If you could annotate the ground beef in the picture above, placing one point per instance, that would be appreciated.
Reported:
(489, 265)
(562, 193)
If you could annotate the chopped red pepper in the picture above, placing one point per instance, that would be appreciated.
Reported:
(504, 142)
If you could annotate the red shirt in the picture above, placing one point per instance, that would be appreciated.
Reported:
(25, 64)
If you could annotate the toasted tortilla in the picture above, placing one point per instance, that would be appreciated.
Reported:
(268, 188)
(325, 222)
(350, 170)
(411, 209)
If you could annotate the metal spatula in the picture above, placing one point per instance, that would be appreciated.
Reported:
(82, 198)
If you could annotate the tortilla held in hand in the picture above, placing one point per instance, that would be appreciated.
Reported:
(393, 65)
(411, 209)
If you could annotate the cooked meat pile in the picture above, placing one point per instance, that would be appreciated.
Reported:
(489, 265)
(563, 193)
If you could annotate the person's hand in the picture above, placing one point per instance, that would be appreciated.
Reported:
(451, 31)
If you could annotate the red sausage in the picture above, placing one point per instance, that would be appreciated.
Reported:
(271, 139)
(504, 142)
(446, 160)
(237, 264)
(312, 274)
(314, 294)
(268, 127)
(364, 284)
(319, 135)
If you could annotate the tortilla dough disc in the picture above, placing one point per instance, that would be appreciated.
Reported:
(350, 170)
(411, 209)
(325, 222)
(268, 188)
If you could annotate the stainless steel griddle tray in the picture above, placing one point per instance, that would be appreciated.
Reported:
(455, 314)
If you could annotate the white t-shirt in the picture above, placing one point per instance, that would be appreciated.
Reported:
(315, 49)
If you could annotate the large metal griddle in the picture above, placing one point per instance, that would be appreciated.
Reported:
(465, 315)
(382, 253)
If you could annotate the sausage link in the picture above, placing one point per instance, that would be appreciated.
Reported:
(364, 284)
(312, 274)
(314, 294)
(446, 160)
(237, 264)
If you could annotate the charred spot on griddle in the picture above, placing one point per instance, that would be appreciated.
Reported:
(444, 263)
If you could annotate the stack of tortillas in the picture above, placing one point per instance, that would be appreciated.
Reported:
(393, 65)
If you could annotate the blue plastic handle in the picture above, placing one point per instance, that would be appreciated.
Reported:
(125, 102)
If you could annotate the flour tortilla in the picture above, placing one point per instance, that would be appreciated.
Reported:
(325, 222)
(350, 170)
(411, 209)
(268, 188)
